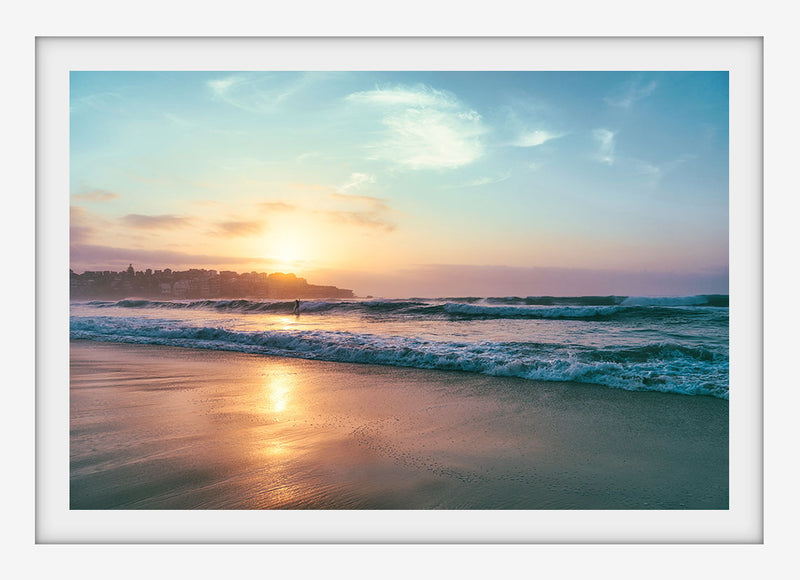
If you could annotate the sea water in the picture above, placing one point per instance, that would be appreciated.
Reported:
(673, 345)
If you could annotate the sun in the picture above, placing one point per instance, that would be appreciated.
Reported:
(287, 252)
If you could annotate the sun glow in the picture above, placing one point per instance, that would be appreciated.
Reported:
(278, 388)
(287, 251)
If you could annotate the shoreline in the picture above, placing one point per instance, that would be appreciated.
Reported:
(155, 427)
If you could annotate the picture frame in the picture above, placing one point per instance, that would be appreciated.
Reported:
(671, 24)
(741, 56)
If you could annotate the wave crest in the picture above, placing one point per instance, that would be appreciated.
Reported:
(665, 367)
(595, 308)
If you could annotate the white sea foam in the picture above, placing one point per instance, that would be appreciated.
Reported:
(666, 366)
(665, 301)
(479, 310)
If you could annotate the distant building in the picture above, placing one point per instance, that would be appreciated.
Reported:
(196, 283)
(180, 289)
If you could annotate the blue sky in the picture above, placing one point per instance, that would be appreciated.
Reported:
(408, 183)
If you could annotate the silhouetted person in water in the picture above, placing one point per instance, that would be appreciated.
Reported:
(296, 307)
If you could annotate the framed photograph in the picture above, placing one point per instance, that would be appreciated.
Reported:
(399, 290)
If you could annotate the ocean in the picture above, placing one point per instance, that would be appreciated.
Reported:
(671, 344)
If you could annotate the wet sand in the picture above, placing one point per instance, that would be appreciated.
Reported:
(154, 427)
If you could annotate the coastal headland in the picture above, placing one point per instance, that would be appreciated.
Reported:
(196, 283)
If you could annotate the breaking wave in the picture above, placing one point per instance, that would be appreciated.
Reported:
(586, 307)
(665, 367)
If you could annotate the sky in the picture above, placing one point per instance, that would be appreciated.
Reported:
(400, 184)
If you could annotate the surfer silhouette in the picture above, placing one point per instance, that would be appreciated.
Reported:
(296, 309)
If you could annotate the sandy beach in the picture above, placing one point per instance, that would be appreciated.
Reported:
(155, 427)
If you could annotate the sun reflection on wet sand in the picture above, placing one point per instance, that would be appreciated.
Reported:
(284, 436)
(278, 387)
(276, 448)
(160, 428)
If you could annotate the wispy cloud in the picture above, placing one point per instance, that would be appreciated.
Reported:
(81, 229)
(525, 122)
(179, 121)
(303, 157)
(237, 228)
(374, 202)
(85, 226)
(402, 96)
(106, 102)
(424, 128)
(356, 181)
(369, 219)
(258, 93)
(99, 195)
(628, 94)
(487, 180)
(536, 138)
(605, 139)
(371, 212)
(652, 173)
(136, 220)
